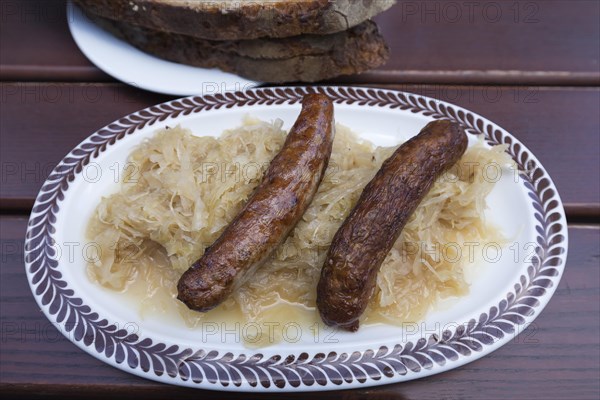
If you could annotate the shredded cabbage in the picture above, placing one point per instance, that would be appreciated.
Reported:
(185, 189)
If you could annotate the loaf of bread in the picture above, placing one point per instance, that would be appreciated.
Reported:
(239, 19)
(304, 58)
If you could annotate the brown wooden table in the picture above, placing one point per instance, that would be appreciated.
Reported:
(530, 66)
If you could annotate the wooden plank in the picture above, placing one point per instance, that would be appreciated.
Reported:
(557, 357)
(37, 45)
(45, 121)
(434, 41)
(501, 42)
(41, 122)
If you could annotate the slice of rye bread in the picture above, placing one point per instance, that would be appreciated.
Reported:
(239, 19)
(304, 58)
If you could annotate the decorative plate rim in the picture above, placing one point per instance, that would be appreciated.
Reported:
(305, 371)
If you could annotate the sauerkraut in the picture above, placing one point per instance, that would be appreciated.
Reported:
(182, 190)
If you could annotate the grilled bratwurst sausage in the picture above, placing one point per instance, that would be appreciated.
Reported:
(272, 211)
(363, 241)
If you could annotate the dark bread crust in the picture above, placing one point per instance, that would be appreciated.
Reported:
(272, 211)
(235, 20)
(365, 238)
(306, 58)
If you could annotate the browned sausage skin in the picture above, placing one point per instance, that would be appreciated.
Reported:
(272, 211)
(365, 238)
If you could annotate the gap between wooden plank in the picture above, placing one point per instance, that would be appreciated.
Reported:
(40, 73)
(478, 77)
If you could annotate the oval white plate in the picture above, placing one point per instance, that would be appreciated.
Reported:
(506, 295)
(132, 66)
